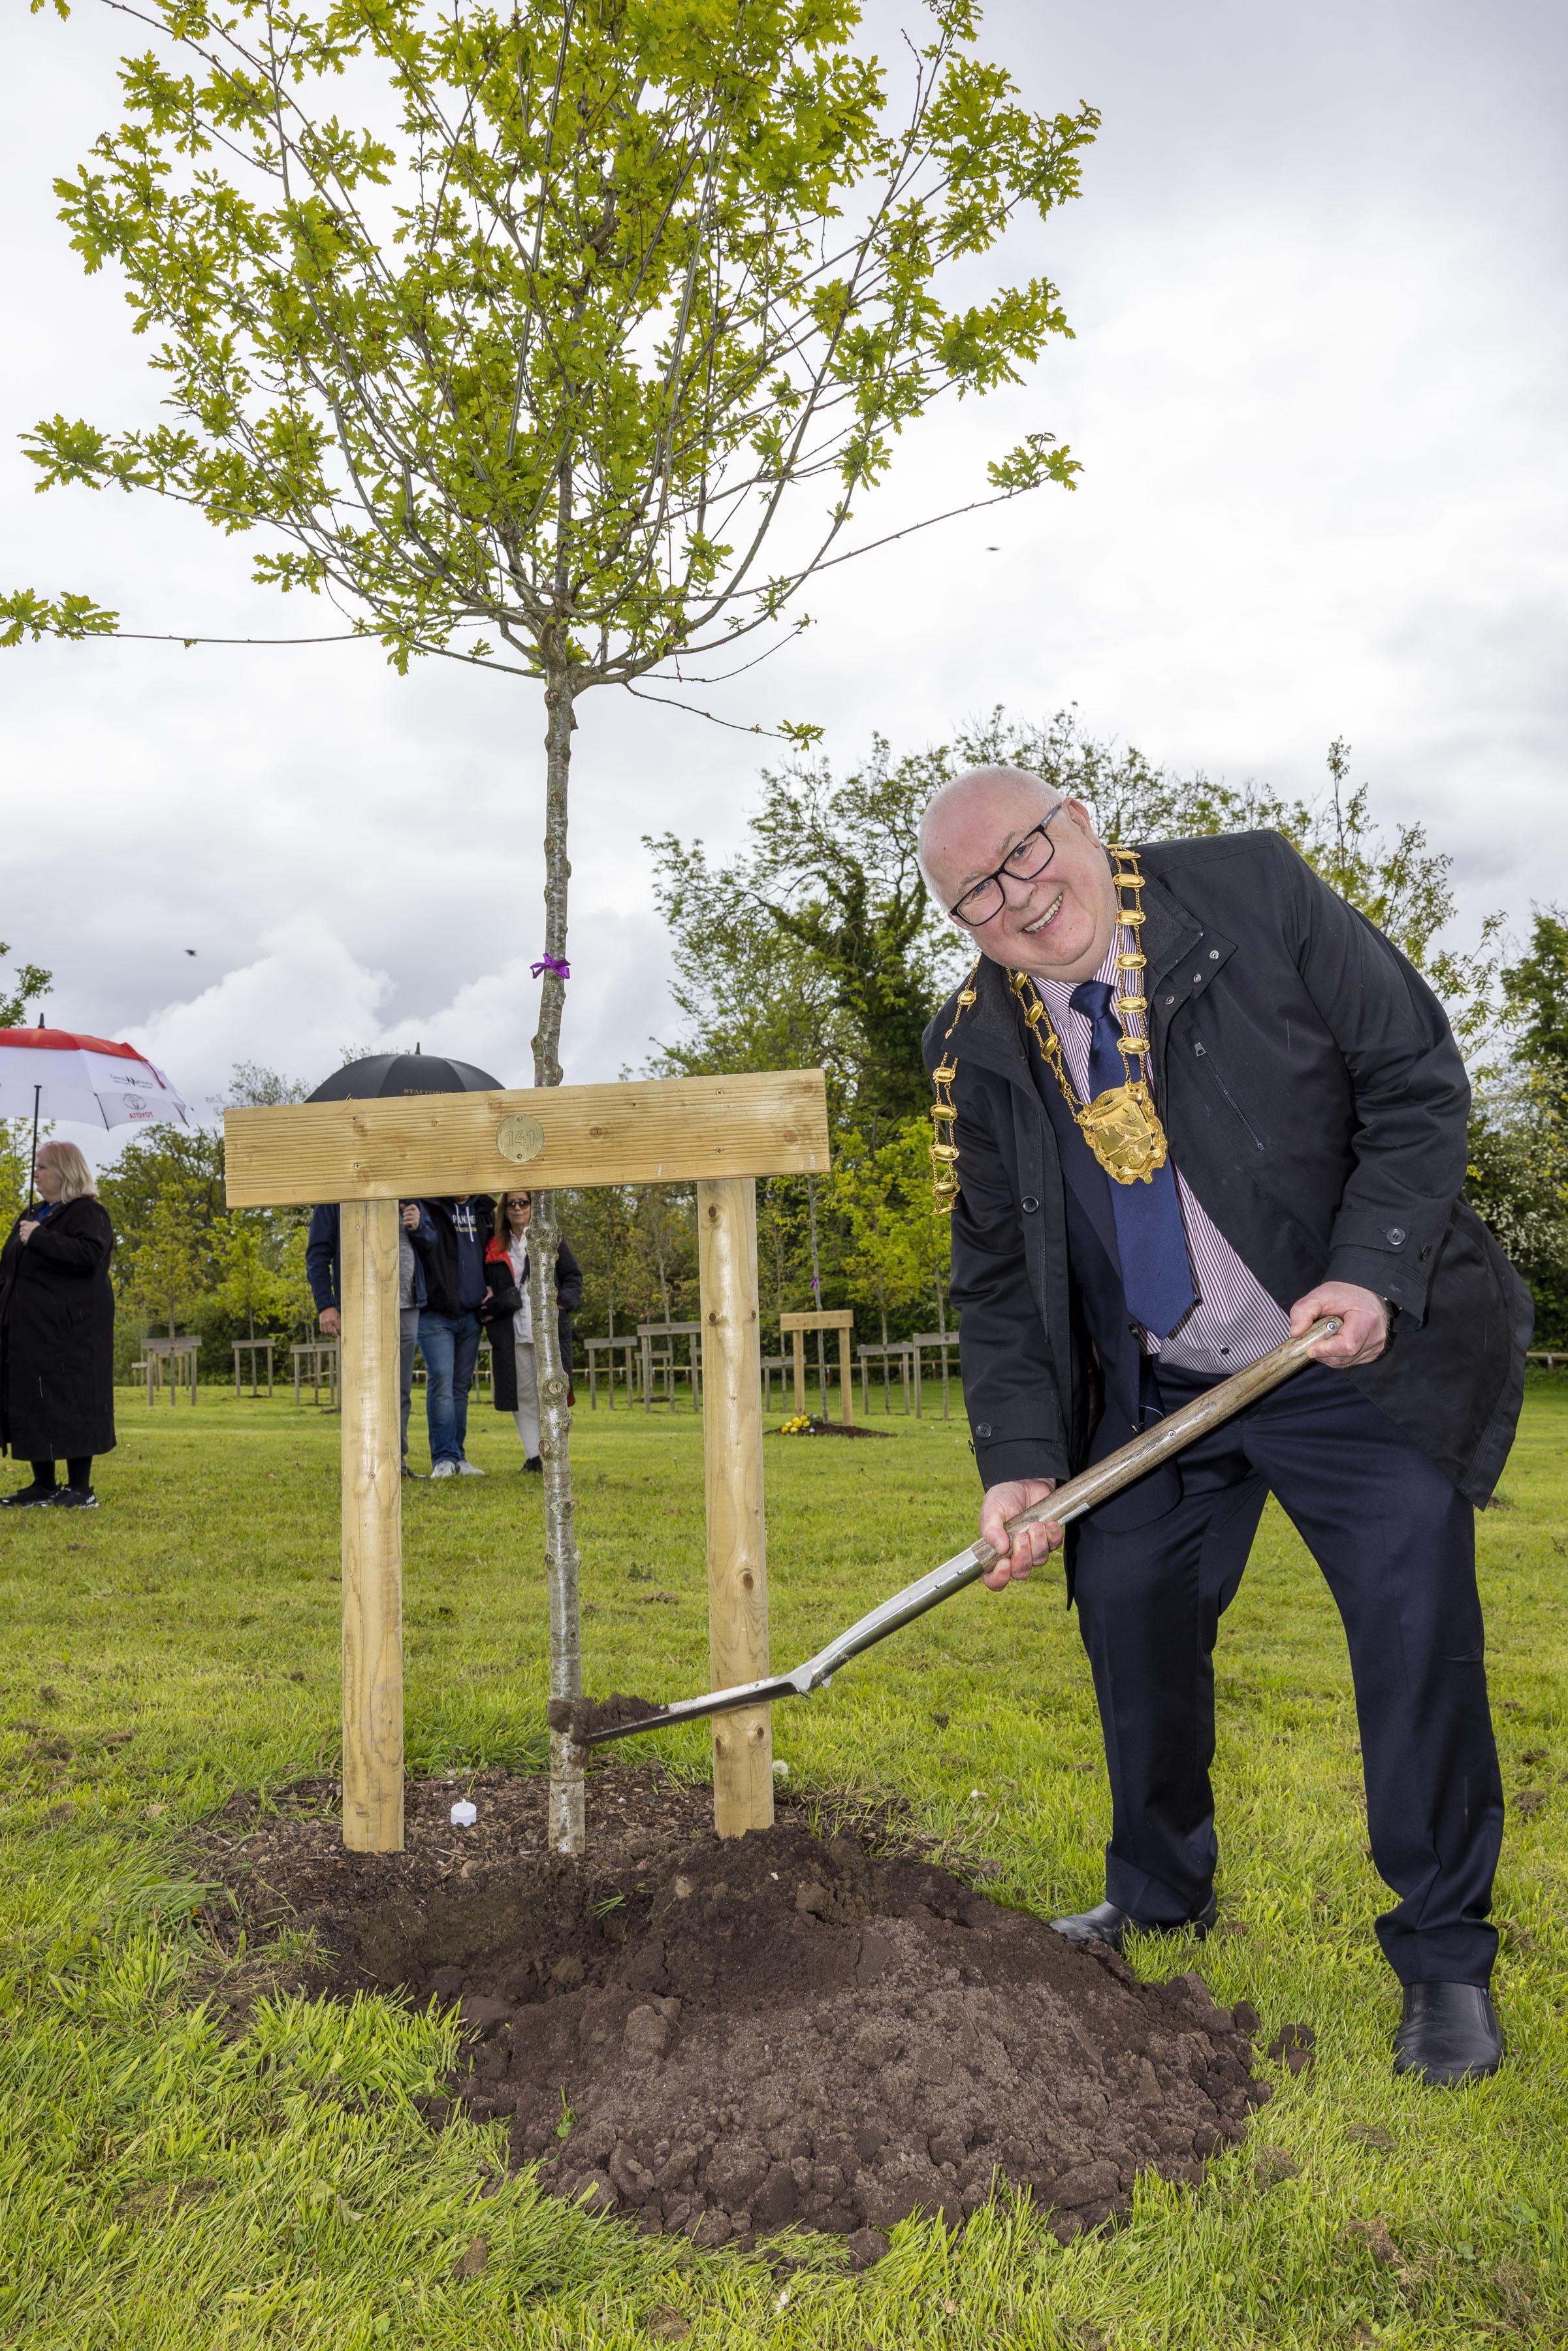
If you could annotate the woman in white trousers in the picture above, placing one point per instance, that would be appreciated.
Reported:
(508, 1310)
(511, 1245)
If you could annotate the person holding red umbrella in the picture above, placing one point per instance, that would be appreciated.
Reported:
(57, 1334)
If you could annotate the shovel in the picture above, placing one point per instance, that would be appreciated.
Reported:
(1068, 1502)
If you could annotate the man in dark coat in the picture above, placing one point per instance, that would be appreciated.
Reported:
(1307, 1158)
(451, 1236)
(57, 1334)
(324, 1273)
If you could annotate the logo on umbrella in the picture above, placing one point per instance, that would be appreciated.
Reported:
(136, 1105)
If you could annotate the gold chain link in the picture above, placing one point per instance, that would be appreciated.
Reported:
(944, 1112)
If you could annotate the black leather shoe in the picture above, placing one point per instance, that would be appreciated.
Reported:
(1449, 2033)
(1106, 1924)
(28, 1497)
(534, 1466)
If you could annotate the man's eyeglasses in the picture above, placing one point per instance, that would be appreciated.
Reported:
(1026, 858)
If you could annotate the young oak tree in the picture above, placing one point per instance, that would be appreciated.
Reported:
(520, 332)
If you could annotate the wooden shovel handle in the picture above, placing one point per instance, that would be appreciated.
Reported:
(1168, 1435)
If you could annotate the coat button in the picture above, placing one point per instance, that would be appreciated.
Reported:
(982, 1428)
(1197, 979)
(1395, 1236)
(1214, 958)
(1029, 1206)
(1425, 1252)
(1169, 1000)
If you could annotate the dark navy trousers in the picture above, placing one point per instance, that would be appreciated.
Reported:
(1396, 1544)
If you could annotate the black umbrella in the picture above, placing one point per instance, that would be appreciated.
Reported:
(404, 1073)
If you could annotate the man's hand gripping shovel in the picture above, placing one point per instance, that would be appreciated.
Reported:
(1058, 1508)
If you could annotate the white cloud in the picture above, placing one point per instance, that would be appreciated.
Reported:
(305, 997)
(291, 1009)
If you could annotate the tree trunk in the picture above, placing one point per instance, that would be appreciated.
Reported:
(561, 1558)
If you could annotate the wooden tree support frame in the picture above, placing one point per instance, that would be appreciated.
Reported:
(722, 1133)
(838, 1319)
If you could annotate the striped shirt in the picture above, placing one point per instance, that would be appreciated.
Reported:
(1235, 1320)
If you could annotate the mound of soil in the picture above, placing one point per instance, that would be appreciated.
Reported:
(831, 1428)
(780, 2027)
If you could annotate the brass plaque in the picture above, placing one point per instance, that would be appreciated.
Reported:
(519, 1137)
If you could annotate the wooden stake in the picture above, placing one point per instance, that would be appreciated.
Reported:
(372, 1530)
(798, 1352)
(846, 1379)
(736, 1538)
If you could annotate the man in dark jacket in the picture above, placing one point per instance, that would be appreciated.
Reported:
(1199, 1103)
(451, 1239)
(323, 1272)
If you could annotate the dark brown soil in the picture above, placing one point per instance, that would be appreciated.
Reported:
(783, 2028)
(580, 1716)
(835, 1428)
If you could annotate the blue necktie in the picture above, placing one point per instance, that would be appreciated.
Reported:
(1157, 1273)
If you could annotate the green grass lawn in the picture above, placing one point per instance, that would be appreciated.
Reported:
(167, 2184)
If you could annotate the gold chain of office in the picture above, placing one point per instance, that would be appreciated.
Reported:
(1121, 1127)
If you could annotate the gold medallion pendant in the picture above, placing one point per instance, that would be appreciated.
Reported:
(1122, 1130)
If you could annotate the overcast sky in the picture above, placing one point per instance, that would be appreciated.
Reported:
(1317, 283)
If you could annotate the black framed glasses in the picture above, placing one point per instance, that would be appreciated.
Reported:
(1025, 860)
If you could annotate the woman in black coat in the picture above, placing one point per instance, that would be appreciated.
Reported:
(57, 1334)
(508, 1318)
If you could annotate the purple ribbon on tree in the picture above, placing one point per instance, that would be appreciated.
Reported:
(552, 963)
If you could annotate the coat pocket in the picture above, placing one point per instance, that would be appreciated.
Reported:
(1216, 1080)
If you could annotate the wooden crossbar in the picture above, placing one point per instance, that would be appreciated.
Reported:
(414, 1146)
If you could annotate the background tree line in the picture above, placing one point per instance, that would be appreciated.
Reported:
(818, 944)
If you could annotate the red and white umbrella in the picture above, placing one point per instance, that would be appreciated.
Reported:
(93, 1080)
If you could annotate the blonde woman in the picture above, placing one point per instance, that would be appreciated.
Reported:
(508, 1311)
(56, 1334)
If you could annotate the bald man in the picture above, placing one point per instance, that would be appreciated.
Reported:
(1200, 1102)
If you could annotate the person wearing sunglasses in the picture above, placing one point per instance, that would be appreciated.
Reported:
(509, 1316)
(1188, 1103)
